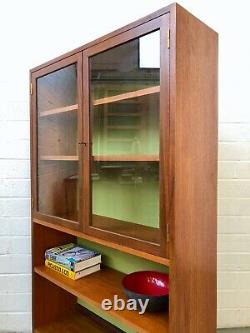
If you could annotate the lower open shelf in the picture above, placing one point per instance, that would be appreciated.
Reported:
(104, 285)
(80, 321)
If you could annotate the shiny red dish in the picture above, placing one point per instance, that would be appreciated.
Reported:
(149, 283)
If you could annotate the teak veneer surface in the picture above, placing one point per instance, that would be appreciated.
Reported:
(128, 95)
(119, 158)
(105, 284)
(59, 158)
(80, 320)
(74, 323)
(56, 111)
(193, 117)
(115, 246)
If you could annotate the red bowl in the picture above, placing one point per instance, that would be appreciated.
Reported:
(147, 283)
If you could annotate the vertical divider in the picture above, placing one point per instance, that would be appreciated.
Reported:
(86, 147)
(165, 175)
(49, 301)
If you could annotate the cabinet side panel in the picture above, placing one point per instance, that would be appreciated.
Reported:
(49, 301)
(193, 238)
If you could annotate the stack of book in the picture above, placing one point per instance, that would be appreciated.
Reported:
(72, 260)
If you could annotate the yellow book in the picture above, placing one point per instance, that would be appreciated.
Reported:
(68, 273)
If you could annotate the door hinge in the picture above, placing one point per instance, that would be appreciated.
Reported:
(31, 88)
(168, 236)
(32, 203)
(168, 39)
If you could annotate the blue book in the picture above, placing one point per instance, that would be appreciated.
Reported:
(73, 256)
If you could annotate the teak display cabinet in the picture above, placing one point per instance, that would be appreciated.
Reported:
(124, 154)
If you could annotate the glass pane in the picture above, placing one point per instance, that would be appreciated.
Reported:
(125, 86)
(57, 143)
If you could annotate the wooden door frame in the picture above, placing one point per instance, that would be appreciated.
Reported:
(34, 75)
(161, 23)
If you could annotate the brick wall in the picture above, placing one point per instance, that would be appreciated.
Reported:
(234, 225)
(15, 267)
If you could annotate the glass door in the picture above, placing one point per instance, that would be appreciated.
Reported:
(58, 111)
(124, 116)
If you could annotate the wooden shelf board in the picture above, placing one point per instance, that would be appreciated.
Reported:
(68, 108)
(123, 127)
(124, 114)
(120, 158)
(77, 322)
(118, 247)
(105, 284)
(128, 95)
(129, 229)
(59, 158)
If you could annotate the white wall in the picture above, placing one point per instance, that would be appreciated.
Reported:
(35, 31)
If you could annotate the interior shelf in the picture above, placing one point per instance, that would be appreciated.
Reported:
(104, 158)
(128, 95)
(119, 247)
(105, 284)
(129, 158)
(59, 158)
(68, 108)
(76, 322)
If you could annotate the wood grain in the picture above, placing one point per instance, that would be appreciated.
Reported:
(113, 245)
(119, 158)
(128, 229)
(76, 323)
(127, 95)
(104, 285)
(49, 302)
(56, 111)
(59, 158)
(193, 228)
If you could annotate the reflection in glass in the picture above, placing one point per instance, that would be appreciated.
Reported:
(125, 86)
(57, 143)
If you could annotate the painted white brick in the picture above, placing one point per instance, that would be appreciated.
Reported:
(233, 280)
(15, 283)
(233, 262)
(234, 243)
(15, 264)
(234, 169)
(14, 109)
(234, 224)
(233, 299)
(17, 322)
(15, 226)
(18, 302)
(15, 245)
(236, 317)
(14, 169)
(234, 132)
(234, 207)
(14, 130)
(234, 188)
(15, 188)
(10, 149)
(15, 207)
(234, 151)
